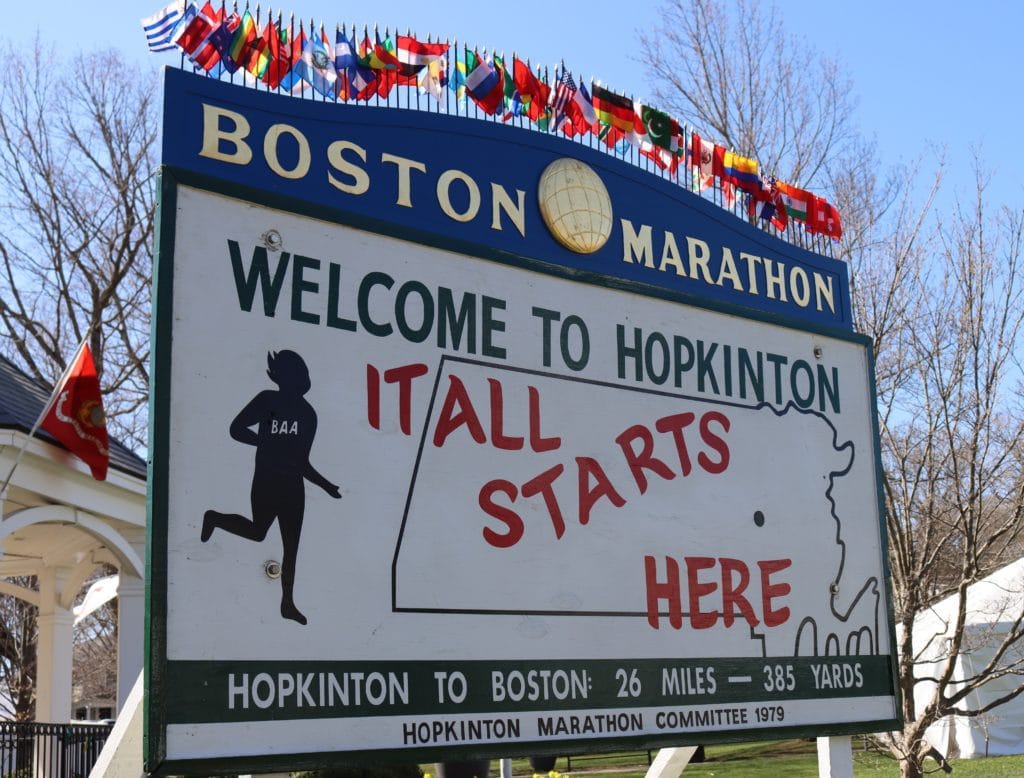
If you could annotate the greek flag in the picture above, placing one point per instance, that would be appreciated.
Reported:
(160, 26)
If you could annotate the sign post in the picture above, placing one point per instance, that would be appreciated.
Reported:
(455, 457)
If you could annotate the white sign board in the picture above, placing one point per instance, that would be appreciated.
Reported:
(417, 499)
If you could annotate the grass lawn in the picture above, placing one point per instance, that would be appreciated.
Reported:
(781, 759)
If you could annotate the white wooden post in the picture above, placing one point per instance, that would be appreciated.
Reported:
(131, 628)
(670, 762)
(121, 756)
(835, 757)
(53, 651)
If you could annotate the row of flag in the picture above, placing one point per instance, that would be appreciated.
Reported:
(284, 57)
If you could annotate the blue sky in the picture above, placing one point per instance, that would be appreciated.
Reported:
(928, 74)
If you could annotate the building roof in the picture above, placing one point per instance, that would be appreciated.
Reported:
(22, 400)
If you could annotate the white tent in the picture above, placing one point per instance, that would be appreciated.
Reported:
(993, 604)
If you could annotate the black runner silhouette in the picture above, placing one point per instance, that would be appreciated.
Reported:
(285, 427)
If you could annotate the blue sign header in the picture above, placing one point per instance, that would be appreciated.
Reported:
(496, 191)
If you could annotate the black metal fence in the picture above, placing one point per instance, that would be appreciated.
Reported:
(30, 749)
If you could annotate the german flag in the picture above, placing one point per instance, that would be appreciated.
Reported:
(612, 109)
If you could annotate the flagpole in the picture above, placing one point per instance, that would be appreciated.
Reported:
(42, 415)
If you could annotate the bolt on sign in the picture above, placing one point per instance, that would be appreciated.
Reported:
(472, 441)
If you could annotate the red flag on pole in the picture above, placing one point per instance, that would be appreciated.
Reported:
(76, 417)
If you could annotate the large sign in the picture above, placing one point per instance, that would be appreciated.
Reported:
(423, 488)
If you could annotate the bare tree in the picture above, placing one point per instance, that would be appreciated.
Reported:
(734, 72)
(77, 208)
(952, 429)
(941, 301)
(18, 635)
(77, 191)
(94, 665)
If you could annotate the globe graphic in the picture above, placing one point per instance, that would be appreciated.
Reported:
(575, 205)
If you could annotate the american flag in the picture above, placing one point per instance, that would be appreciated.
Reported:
(564, 93)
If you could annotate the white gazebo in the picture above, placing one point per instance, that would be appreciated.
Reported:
(59, 524)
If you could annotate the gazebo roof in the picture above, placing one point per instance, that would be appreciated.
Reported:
(22, 400)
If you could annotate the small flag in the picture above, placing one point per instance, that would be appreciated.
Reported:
(457, 80)
(824, 218)
(245, 36)
(292, 80)
(572, 107)
(565, 90)
(533, 93)
(316, 65)
(196, 30)
(612, 109)
(76, 416)
(432, 79)
(796, 201)
(279, 56)
(586, 109)
(484, 83)
(416, 54)
(222, 39)
(161, 26)
(353, 78)
(768, 204)
(741, 172)
(706, 159)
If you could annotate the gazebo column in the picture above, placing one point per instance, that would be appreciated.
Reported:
(131, 630)
(53, 650)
